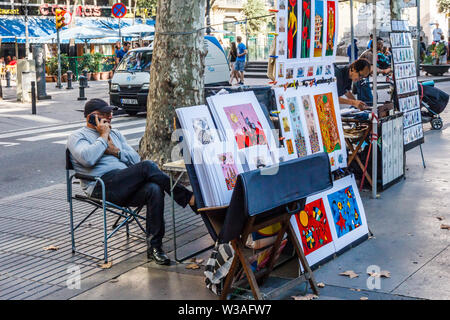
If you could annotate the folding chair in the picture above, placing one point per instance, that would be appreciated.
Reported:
(122, 212)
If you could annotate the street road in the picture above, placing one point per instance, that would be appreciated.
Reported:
(35, 158)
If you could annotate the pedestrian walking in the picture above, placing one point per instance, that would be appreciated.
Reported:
(240, 59)
(437, 32)
(232, 55)
(349, 50)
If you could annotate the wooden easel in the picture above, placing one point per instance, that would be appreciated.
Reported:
(252, 279)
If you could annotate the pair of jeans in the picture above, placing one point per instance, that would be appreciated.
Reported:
(143, 184)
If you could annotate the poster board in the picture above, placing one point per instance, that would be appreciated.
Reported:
(406, 97)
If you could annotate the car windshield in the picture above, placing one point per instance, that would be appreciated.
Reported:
(135, 61)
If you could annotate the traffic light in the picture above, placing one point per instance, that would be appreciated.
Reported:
(59, 18)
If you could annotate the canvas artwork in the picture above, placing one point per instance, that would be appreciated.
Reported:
(310, 71)
(290, 147)
(286, 125)
(229, 170)
(300, 72)
(281, 24)
(327, 121)
(281, 70)
(346, 211)
(346, 214)
(246, 126)
(331, 28)
(312, 228)
(297, 126)
(281, 47)
(202, 131)
(312, 223)
(292, 29)
(318, 28)
(289, 73)
(306, 29)
(282, 4)
(311, 124)
(198, 126)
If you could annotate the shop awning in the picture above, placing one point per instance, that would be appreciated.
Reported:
(13, 28)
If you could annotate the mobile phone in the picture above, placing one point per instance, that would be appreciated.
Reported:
(92, 120)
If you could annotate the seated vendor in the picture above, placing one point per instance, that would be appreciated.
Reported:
(345, 76)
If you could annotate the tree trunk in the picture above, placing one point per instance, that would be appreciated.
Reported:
(176, 73)
(396, 11)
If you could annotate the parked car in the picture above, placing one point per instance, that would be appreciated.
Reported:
(130, 83)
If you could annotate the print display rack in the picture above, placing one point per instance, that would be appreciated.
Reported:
(392, 155)
(249, 211)
(406, 97)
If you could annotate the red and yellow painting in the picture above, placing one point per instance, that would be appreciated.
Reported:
(313, 226)
(331, 27)
(327, 121)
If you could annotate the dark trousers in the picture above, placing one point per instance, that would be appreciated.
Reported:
(143, 184)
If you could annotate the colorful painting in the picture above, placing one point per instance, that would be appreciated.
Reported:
(331, 27)
(306, 29)
(344, 207)
(202, 132)
(298, 130)
(281, 101)
(311, 124)
(318, 28)
(290, 147)
(229, 170)
(313, 226)
(281, 24)
(281, 70)
(292, 29)
(327, 121)
(247, 128)
(310, 71)
(286, 124)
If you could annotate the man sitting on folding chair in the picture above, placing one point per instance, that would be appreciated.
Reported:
(98, 150)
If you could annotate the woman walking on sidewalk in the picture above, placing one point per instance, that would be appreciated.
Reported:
(232, 55)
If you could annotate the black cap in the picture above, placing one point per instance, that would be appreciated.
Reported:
(97, 105)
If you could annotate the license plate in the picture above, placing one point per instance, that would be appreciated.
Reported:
(129, 101)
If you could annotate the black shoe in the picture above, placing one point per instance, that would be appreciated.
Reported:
(158, 255)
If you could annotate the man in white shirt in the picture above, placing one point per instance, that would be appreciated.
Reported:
(437, 32)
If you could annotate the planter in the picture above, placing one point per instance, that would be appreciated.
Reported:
(64, 77)
(111, 73)
(104, 75)
(49, 79)
(95, 76)
(435, 69)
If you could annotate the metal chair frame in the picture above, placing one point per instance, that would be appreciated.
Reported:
(124, 212)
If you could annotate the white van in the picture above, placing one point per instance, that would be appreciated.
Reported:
(129, 85)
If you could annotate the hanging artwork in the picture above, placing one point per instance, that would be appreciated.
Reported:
(311, 124)
(327, 121)
(345, 205)
(306, 29)
(297, 126)
(331, 28)
(292, 30)
(318, 28)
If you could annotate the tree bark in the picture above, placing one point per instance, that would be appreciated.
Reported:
(176, 73)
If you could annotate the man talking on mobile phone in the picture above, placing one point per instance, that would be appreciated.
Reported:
(99, 150)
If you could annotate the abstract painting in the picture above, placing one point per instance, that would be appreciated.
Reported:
(246, 126)
(318, 28)
(311, 124)
(297, 127)
(306, 29)
(345, 210)
(313, 226)
(292, 29)
(331, 27)
(327, 121)
(229, 170)
(202, 132)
